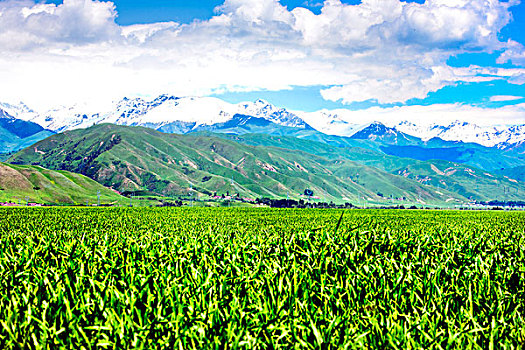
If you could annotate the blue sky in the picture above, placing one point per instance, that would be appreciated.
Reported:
(186, 11)
(151, 11)
(309, 98)
(300, 54)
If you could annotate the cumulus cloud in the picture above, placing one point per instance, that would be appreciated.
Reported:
(25, 25)
(514, 52)
(384, 50)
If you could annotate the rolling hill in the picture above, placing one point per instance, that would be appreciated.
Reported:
(468, 181)
(22, 183)
(380, 139)
(137, 158)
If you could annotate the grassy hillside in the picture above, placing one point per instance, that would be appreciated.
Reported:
(365, 156)
(516, 173)
(465, 180)
(134, 158)
(382, 140)
(21, 183)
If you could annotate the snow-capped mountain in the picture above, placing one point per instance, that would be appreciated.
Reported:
(183, 114)
(379, 131)
(331, 123)
(16, 133)
(18, 111)
(489, 136)
(166, 109)
(348, 123)
(280, 116)
(161, 113)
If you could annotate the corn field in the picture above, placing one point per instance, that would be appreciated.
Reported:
(220, 278)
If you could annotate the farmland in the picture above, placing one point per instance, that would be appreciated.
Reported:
(260, 278)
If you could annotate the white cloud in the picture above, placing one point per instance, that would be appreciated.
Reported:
(515, 53)
(25, 25)
(386, 50)
(504, 98)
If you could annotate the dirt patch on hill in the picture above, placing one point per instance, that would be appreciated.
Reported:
(12, 179)
(436, 170)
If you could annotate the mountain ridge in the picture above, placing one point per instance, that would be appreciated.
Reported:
(183, 115)
(137, 158)
(192, 112)
(16, 134)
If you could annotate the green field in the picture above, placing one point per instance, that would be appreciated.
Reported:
(113, 278)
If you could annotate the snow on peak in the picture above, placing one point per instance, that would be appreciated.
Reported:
(344, 123)
(162, 111)
(489, 136)
(195, 111)
(374, 128)
(5, 115)
(264, 109)
(18, 111)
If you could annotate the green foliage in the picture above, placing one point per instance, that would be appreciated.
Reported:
(260, 278)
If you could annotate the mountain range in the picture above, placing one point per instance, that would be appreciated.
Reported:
(130, 159)
(16, 133)
(186, 114)
(172, 146)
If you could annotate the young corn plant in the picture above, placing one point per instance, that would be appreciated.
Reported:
(220, 278)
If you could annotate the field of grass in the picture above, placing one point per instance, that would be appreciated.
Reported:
(201, 278)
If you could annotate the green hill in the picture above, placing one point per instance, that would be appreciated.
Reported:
(516, 173)
(135, 158)
(467, 181)
(21, 183)
(387, 141)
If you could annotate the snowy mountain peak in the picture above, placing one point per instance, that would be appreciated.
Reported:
(18, 111)
(182, 114)
(458, 130)
(161, 112)
(263, 109)
(371, 129)
(261, 102)
(5, 115)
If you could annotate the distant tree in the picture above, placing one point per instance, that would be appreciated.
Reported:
(308, 192)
